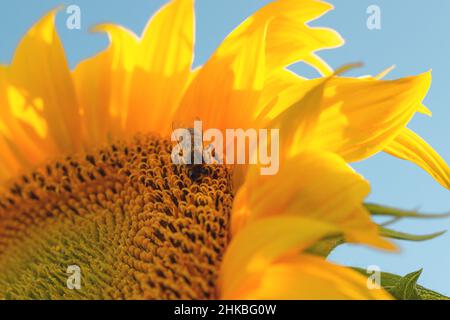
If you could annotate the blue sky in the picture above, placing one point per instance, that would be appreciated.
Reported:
(414, 37)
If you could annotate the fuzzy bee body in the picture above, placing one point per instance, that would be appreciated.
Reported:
(195, 169)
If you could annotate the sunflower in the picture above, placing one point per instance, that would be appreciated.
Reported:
(87, 178)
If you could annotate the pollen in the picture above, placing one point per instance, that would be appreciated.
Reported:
(136, 225)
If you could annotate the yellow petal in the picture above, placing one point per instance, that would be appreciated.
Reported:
(278, 82)
(299, 122)
(409, 146)
(290, 39)
(423, 109)
(10, 163)
(356, 117)
(39, 117)
(316, 185)
(361, 117)
(296, 111)
(307, 277)
(102, 83)
(226, 92)
(16, 148)
(258, 245)
(40, 75)
(164, 68)
(385, 72)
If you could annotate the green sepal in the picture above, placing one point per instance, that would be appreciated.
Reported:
(392, 234)
(379, 210)
(325, 246)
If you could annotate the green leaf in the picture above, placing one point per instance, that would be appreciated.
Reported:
(411, 290)
(379, 210)
(406, 288)
(389, 233)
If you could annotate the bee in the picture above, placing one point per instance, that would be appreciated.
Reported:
(195, 170)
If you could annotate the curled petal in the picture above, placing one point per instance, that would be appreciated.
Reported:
(260, 244)
(409, 146)
(314, 185)
(306, 277)
(355, 118)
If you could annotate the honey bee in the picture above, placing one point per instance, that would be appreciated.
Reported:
(195, 170)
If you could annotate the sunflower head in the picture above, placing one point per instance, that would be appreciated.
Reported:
(87, 177)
